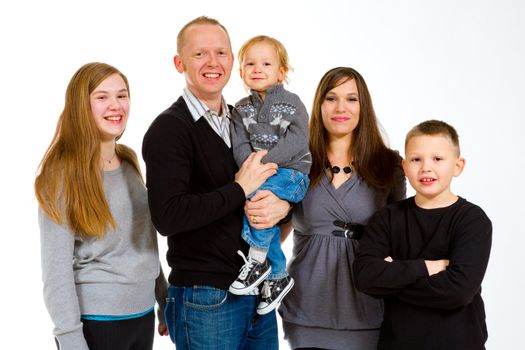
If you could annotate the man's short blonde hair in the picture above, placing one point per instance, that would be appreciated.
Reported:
(198, 20)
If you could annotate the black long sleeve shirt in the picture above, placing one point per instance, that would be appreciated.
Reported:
(193, 198)
(442, 311)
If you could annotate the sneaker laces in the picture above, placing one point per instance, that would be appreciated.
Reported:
(267, 288)
(248, 265)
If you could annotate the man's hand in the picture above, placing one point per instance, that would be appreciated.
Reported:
(253, 173)
(266, 208)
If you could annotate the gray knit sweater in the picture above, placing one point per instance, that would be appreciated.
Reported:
(278, 124)
(117, 275)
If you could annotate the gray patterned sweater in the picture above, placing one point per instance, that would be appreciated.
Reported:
(278, 124)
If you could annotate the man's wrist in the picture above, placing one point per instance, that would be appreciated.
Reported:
(288, 216)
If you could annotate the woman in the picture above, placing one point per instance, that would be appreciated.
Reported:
(100, 263)
(353, 174)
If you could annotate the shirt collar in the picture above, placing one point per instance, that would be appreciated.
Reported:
(198, 108)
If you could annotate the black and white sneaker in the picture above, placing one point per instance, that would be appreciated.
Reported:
(273, 292)
(252, 273)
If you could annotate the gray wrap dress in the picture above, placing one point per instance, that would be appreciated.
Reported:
(324, 309)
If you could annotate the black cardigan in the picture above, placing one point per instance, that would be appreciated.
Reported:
(193, 198)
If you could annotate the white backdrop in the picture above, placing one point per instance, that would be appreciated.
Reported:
(460, 61)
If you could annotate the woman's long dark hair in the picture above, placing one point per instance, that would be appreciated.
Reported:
(373, 161)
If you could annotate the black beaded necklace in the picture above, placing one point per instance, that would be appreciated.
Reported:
(336, 170)
(347, 169)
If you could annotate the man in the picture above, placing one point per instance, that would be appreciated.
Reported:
(196, 197)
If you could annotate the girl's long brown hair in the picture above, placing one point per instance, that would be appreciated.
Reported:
(373, 161)
(69, 185)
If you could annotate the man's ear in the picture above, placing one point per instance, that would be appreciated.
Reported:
(404, 164)
(178, 63)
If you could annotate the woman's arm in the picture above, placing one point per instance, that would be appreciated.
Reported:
(399, 186)
(286, 229)
(161, 292)
(60, 296)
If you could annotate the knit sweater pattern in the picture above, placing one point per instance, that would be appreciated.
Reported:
(278, 124)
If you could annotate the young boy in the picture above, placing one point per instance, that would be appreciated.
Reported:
(427, 255)
(276, 120)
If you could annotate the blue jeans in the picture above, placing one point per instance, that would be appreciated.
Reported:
(207, 318)
(289, 185)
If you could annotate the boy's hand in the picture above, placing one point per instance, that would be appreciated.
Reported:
(436, 266)
(389, 259)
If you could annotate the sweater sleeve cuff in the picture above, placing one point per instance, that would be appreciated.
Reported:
(72, 340)
(161, 292)
(234, 191)
(419, 269)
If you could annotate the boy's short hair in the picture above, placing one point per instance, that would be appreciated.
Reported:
(278, 46)
(434, 127)
(198, 20)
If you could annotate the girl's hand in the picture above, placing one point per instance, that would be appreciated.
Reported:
(162, 329)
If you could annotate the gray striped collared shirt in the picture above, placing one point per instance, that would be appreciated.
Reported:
(219, 123)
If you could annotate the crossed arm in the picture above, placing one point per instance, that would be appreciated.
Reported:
(445, 283)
